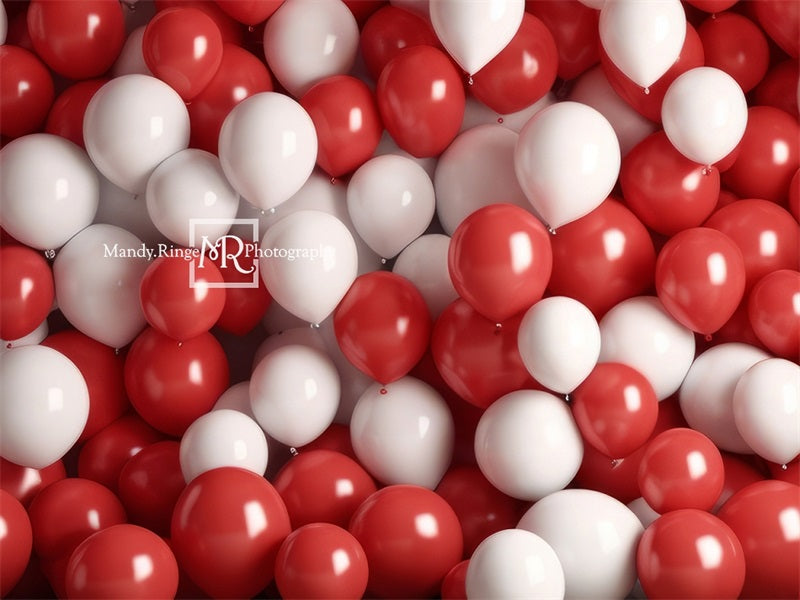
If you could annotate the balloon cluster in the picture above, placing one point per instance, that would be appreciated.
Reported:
(549, 252)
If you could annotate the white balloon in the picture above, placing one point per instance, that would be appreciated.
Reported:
(304, 336)
(236, 397)
(306, 41)
(475, 32)
(704, 114)
(514, 563)
(706, 396)
(476, 113)
(131, 58)
(48, 192)
(97, 284)
(294, 393)
(640, 333)
(766, 407)
(127, 211)
(424, 263)
(3, 23)
(643, 38)
(527, 444)
(391, 202)
(387, 145)
(267, 148)
(643, 511)
(596, 4)
(34, 337)
(190, 185)
(44, 404)
(131, 124)
(316, 269)
(403, 433)
(567, 161)
(595, 538)
(559, 342)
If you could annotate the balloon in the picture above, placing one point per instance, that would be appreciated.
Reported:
(230, 29)
(781, 21)
(127, 211)
(24, 483)
(527, 444)
(580, 526)
(49, 190)
(227, 528)
(386, 419)
(424, 263)
(421, 100)
(244, 305)
(250, 12)
(131, 58)
(712, 6)
(411, 538)
(775, 313)
(66, 115)
(567, 133)
(736, 45)
(26, 291)
(26, 91)
(514, 563)
(476, 113)
(739, 473)
(689, 554)
(643, 39)
(779, 88)
(15, 541)
(454, 585)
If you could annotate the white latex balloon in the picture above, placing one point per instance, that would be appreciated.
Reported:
(189, 185)
(559, 342)
(424, 263)
(704, 114)
(567, 160)
(267, 148)
(306, 41)
(643, 38)
(323, 264)
(514, 563)
(640, 333)
(3, 23)
(527, 444)
(131, 59)
(236, 397)
(294, 393)
(595, 538)
(476, 113)
(131, 124)
(643, 512)
(44, 404)
(706, 395)
(304, 336)
(391, 202)
(48, 190)
(97, 284)
(34, 337)
(403, 433)
(475, 32)
(127, 211)
(766, 406)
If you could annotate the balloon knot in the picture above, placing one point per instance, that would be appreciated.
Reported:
(470, 81)
(647, 91)
(251, 28)
(707, 170)
(293, 451)
(500, 120)
(333, 180)
(9, 346)
(272, 210)
(384, 391)
(314, 325)
(551, 230)
(784, 467)
(180, 344)
(51, 254)
(567, 398)
(383, 261)
(614, 462)
(708, 337)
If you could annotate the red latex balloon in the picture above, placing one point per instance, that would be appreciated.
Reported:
(322, 561)
(681, 468)
(615, 409)
(364, 9)
(25, 482)
(229, 28)
(244, 306)
(122, 561)
(789, 472)
(522, 72)
(226, 530)
(454, 584)
(411, 537)
(421, 100)
(712, 6)
(171, 383)
(794, 196)
(781, 21)
(383, 325)
(779, 87)
(602, 258)
(336, 438)
(250, 12)
(738, 474)
(774, 311)
(322, 486)
(66, 115)
(769, 155)
(102, 369)
(690, 553)
(26, 291)
(763, 516)
(736, 45)
(26, 91)
(78, 40)
(15, 541)
(735, 329)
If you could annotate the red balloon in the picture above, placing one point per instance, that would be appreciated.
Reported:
(690, 553)
(26, 91)
(794, 196)
(26, 291)
(322, 486)
(244, 306)
(347, 122)
(789, 472)
(421, 100)
(411, 537)
(122, 561)
(15, 541)
(227, 528)
(736, 45)
(229, 28)
(364, 9)
(383, 325)
(738, 474)
(172, 383)
(500, 260)
(454, 584)
(250, 12)
(78, 40)
(712, 6)
(779, 87)
(781, 21)
(774, 312)
(336, 438)
(66, 114)
(681, 468)
(24, 483)
(763, 516)
(522, 72)
(735, 329)
(322, 561)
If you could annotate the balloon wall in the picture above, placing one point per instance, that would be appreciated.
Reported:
(400, 299)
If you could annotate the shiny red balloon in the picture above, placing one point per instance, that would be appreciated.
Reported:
(712, 6)
(26, 291)
(250, 12)
(690, 553)
(24, 483)
(412, 538)
(336, 438)
(421, 100)
(227, 528)
(454, 584)
(15, 541)
(26, 91)
(779, 87)
(66, 114)
(736, 45)
(244, 306)
(794, 196)
(774, 311)
(781, 21)
(230, 29)
(322, 561)
(364, 9)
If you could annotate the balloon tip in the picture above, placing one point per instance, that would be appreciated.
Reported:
(51, 254)
(707, 170)
(180, 344)
(500, 120)
(333, 181)
(709, 337)
(784, 467)
(567, 398)
(551, 230)
(383, 261)
(647, 91)
(615, 462)
(470, 81)
(293, 451)
(384, 391)
(272, 210)
(314, 325)
(251, 28)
